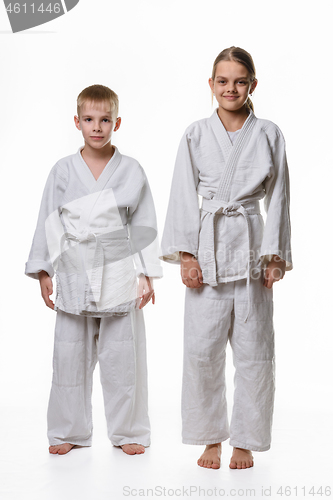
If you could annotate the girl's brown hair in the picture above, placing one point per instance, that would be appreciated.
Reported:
(241, 56)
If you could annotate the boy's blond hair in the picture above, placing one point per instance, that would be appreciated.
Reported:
(98, 93)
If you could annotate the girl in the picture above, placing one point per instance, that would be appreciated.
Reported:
(229, 261)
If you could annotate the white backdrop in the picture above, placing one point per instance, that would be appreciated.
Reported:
(158, 57)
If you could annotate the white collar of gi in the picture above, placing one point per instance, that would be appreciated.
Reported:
(222, 135)
(87, 175)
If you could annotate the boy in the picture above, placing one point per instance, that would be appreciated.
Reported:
(97, 230)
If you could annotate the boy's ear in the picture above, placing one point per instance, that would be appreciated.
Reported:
(118, 122)
(77, 122)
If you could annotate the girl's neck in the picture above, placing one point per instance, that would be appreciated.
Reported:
(233, 120)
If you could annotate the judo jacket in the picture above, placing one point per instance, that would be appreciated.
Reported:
(227, 233)
(97, 236)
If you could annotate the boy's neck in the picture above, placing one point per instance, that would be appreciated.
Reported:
(103, 154)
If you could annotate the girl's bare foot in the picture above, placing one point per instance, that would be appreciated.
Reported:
(241, 459)
(133, 449)
(61, 449)
(211, 457)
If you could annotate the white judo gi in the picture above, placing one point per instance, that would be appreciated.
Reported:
(97, 236)
(228, 236)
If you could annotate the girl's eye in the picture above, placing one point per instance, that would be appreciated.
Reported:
(221, 81)
(241, 82)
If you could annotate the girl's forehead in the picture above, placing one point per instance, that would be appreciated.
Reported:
(231, 67)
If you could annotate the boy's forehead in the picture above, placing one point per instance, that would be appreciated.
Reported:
(101, 106)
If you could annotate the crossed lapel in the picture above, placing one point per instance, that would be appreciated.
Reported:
(230, 151)
(94, 186)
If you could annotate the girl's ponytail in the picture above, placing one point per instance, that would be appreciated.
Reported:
(249, 104)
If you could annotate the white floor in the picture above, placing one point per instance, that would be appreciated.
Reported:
(298, 460)
(302, 445)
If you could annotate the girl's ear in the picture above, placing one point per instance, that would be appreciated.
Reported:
(211, 84)
(253, 85)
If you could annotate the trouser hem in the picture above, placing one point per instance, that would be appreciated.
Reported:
(124, 441)
(58, 442)
(238, 444)
(205, 441)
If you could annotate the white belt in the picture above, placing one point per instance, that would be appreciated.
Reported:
(98, 260)
(229, 209)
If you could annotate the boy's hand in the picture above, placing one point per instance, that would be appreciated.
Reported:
(190, 270)
(145, 290)
(274, 271)
(46, 287)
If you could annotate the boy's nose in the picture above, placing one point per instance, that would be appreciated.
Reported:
(97, 127)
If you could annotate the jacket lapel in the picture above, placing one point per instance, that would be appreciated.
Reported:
(230, 152)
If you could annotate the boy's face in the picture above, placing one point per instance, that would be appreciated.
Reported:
(96, 123)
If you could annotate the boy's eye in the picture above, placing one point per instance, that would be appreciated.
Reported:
(221, 81)
(87, 120)
(106, 120)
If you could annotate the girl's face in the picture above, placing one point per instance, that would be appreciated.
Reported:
(231, 85)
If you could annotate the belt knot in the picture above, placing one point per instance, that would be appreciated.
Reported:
(230, 210)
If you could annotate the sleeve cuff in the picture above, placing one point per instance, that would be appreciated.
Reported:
(32, 268)
(265, 258)
(153, 271)
(174, 257)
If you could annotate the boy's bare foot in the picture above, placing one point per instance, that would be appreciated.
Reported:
(61, 449)
(211, 457)
(133, 449)
(241, 459)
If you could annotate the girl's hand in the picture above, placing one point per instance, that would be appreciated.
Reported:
(190, 270)
(145, 290)
(46, 288)
(274, 271)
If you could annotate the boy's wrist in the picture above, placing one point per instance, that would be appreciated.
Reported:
(42, 274)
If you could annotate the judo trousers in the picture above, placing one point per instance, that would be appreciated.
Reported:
(212, 316)
(118, 343)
